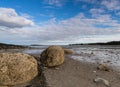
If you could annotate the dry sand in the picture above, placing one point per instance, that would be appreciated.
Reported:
(78, 74)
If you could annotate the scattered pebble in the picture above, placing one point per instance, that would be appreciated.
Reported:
(94, 71)
(56, 68)
(108, 61)
(103, 67)
(101, 80)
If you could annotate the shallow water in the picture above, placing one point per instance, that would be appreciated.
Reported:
(109, 55)
(33, 51)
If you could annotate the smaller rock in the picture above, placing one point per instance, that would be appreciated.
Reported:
(94, 71)
(92, 53)
(56, 68)
(53, 56)
(103, 67)
(108, 61)
(68, 51)
(101, 80)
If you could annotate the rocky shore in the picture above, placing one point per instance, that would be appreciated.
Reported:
(73, 73)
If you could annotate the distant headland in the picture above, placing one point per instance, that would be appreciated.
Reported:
(107, 43)
(11, 46)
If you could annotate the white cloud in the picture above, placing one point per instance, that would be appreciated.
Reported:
(55, 2)
(111, 4)
(74, 30)
(101, 27)
(9, 18)
(118, 13)
(88, 1)
(96, 12)
(98, 38)
(26, 15)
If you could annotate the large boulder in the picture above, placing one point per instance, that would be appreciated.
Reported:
(17, 68)
(52, 56)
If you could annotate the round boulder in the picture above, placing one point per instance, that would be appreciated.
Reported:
(52, 56)
(17, 68)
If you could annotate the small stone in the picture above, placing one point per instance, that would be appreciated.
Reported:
(103, 67)
(94, 71)
(57, 68)
(101, 80)
(108, 61)
(44, 67)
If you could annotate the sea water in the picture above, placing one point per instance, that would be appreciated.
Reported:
(109, 55)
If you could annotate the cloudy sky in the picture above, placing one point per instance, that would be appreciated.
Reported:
(59, 21)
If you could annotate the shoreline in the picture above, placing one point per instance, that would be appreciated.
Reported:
(74, 73)
(83, 55)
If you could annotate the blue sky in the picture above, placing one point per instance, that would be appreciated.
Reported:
(59, 21)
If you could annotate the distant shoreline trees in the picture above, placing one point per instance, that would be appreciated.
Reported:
(107, 43)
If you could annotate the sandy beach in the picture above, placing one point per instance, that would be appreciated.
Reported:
(78, 74)
(73, 73)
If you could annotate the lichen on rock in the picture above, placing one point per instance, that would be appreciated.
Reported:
(17, 68)
(52, 56)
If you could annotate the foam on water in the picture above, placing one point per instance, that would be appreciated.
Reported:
(33, 51)
(109, 56)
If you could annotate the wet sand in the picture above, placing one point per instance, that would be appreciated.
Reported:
(78, 74)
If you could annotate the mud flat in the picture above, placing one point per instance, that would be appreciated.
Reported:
(79, 74)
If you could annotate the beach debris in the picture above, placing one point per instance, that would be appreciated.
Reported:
(94, 71)
(52, 56)
(56, 68)
(17, 68)
(108, 61)
(103, 67)
(68, 51)
(101, 80)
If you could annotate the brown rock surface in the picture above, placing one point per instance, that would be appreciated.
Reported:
(103, 67)
(16, 68)
(68, 51)
(52, 56)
